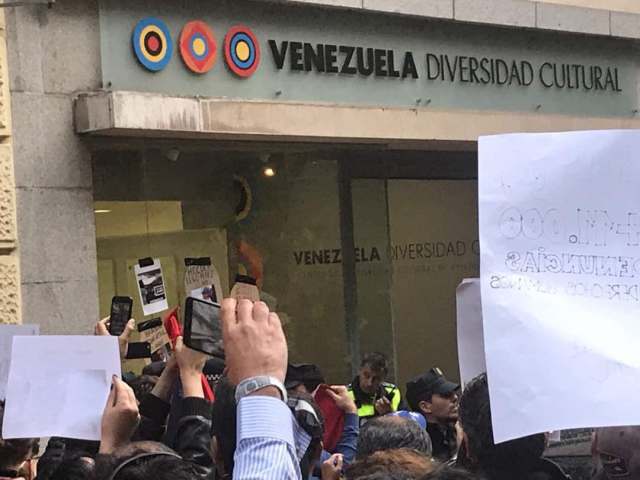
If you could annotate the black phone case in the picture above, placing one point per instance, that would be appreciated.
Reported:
(188, 312)
(117, 326)
(138, 350)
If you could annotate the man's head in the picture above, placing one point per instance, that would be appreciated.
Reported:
(391, 432)
(398, 464)
(303, 377)
(434, 396)
(14, 453)
(617, 451)
(373, 370)
(224, 427)
(515, 457)
(142, 461)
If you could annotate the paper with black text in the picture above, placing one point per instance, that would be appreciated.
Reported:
(58, 386)
(7, 332)
(469, 327)
(560, 276)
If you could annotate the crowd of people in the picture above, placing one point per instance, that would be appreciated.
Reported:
(274, 420)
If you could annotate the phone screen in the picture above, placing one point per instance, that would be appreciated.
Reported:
(203, 330)
(120, 314)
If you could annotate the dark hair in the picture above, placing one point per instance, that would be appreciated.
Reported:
(160, 467)
(505, 460)
(75, 467)
(142, 385)
(376, 361)
(14, 452)
(445, 472)
(224, 422)
(398, 464)
(390, 433)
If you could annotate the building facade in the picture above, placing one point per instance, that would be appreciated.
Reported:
(325, 148)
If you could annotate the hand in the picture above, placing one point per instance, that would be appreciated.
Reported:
(167, 380)
(254, 342)
(332, 467)
(383, 406)
(340, 395)
(120, 418)
(102, 329)
(190, 362)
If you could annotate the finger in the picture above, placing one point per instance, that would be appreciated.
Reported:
(126, 333)
(245, 309)
(338, 461)
(228, 314)
(274, 320)
(179, 344)
(260, 312)
(338, 388)
(386, 401)
(333, 395)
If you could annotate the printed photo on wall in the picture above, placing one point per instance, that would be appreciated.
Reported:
(201, 280)
(151, 286)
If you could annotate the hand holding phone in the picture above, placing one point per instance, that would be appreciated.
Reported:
(121, 308)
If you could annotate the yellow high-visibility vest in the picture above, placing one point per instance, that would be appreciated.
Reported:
(367, 410)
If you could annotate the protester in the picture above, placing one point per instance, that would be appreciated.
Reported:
(347, 442)
(14, 454)
(617, 453)
(435, 397)
(66, 458)
(256, 358)
(399, 463)
(191, 458)
(516, 459)
(390, 433)
(372, 395)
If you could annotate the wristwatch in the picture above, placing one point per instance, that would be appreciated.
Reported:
(253, 384)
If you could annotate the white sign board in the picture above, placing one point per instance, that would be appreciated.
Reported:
(7, 332)
(560, 264)
(470, 334)
(58, 386)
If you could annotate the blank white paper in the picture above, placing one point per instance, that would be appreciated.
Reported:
(58, 386)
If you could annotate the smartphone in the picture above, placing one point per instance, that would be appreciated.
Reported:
(138, 350)
(149, 324)
(120, 314)
(202, 327)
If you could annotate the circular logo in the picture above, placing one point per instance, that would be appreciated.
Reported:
(241, 51)
(152, 43)
(198, 47)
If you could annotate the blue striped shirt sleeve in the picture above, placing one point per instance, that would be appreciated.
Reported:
(266, 447)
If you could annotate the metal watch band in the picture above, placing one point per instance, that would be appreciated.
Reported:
(253, 384)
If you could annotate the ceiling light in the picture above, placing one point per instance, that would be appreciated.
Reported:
(269, 172)
(102, 211)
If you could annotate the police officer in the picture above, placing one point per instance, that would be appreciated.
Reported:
(437, 399)
(372, 395)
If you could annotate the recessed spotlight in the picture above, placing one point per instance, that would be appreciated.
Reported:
(269, 172)
(102, 211)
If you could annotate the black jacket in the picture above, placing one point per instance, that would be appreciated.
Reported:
(544, 469)
(193, 438)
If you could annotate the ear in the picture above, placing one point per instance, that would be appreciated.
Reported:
(425, 407)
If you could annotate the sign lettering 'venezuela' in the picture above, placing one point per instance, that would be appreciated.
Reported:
(365, 61)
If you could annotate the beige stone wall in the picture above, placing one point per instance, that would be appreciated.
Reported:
(9, 269)
(631, 6)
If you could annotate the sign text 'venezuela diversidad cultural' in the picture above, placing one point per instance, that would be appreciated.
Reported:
(367, 62)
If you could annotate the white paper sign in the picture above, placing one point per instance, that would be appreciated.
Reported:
(7, 332)
(58, 386)
(470, 335)
(560, 264)
(153, 294)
